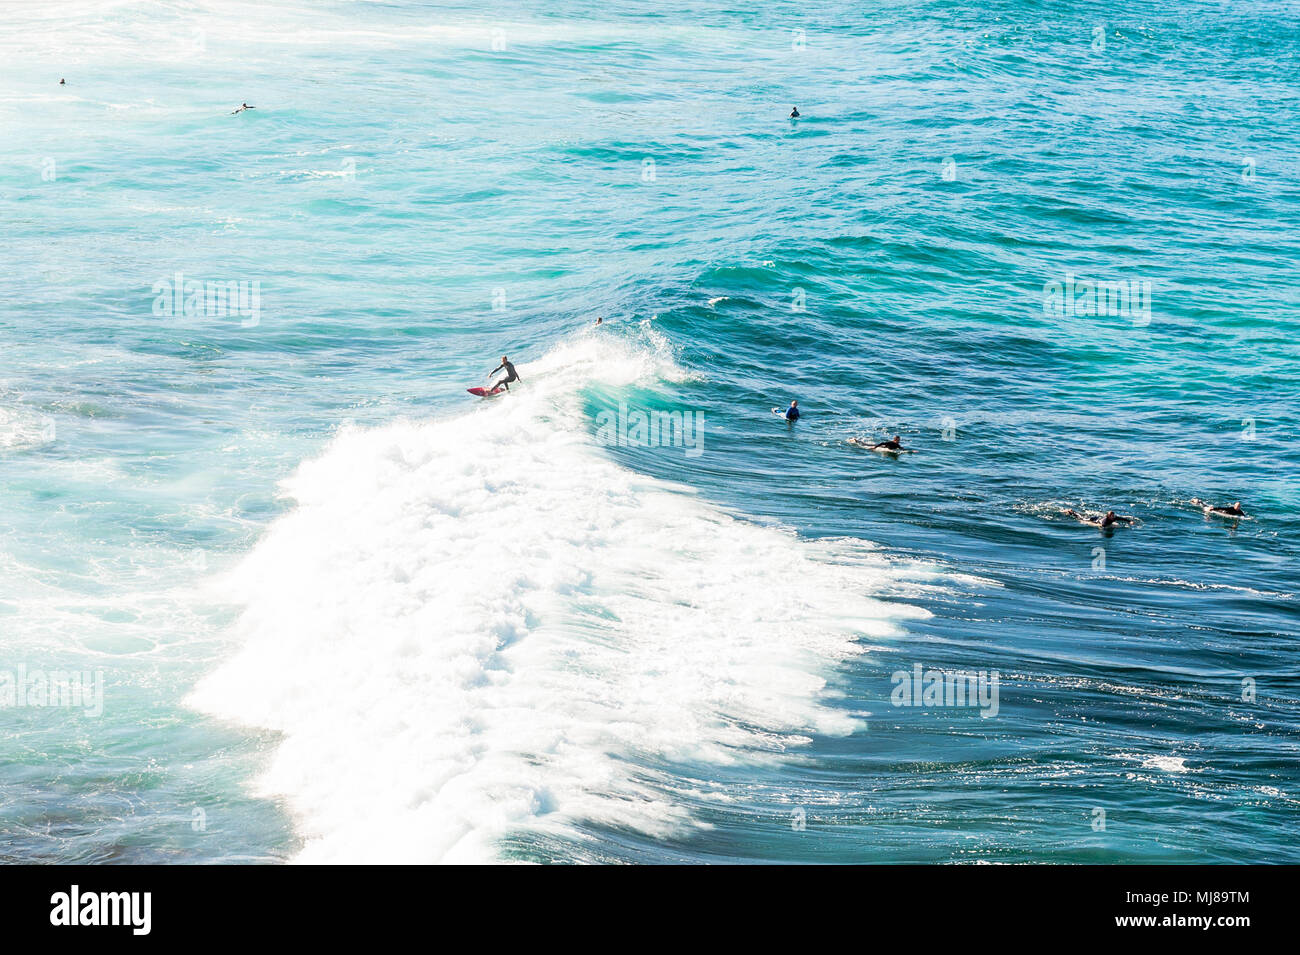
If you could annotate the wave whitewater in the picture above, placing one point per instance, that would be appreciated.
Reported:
(479, 625)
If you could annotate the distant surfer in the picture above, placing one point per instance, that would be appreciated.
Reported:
(600, 320)
(511, 374)
(63, 82)
(1230, 511)
(794, 113)
(241, 109)
(1109, 519)
(790, 414)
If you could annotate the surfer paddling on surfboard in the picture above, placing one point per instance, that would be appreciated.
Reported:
(893, 446)
(1233, 511)
(1109, 519)
(511, 374)
(789, 414)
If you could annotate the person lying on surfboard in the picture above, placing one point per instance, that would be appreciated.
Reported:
(1233, 511)
(1109, 519)
(893, 444)
(511, 374)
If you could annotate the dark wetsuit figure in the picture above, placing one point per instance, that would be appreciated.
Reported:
(1109, 519)
(1233, 510)
(511, 374)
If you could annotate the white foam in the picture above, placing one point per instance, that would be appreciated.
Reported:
(22, 427)
(1167, 764)
(483, 625)
(161, 31)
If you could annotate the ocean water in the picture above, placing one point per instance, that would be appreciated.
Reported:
(343, 611)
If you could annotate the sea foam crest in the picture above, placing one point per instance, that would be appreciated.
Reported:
(482, 625)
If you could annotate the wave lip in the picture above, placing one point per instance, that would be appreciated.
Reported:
(480, 625)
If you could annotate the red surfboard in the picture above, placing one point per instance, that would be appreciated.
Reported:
(484, 393)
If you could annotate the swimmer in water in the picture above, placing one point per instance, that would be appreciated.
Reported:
(794, 113)
(790, 414)
(1109, 519)
(241, 109)
(1233, 511)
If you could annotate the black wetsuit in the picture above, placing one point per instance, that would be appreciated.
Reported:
(511, 375)
(1101, 520)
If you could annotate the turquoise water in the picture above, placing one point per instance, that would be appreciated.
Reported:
(344, 611)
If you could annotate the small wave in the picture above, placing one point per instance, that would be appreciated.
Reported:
(308, 174)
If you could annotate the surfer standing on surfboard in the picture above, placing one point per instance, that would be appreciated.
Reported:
(511, 374)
